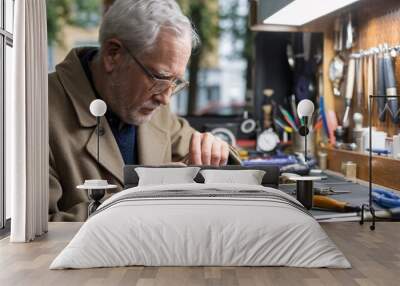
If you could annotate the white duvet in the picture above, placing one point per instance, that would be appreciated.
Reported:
(200, 224)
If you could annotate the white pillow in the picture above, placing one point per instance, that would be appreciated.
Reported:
(248, 177)
(163, 176)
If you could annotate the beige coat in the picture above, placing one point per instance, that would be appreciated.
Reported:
(73, 141)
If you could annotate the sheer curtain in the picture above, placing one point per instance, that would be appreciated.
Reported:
(27, 124)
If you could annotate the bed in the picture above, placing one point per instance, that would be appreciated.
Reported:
(201, 224)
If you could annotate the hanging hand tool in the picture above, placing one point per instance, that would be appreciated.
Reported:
(364, 77)
(294, 109)
(267, 108)
(288, 118)
(390, 86)
(349, 33)
(307, 45)
(359, 81)
(381, 85)
(318, 124)
(349, 91)
(290, 56)
(370, 78)
(336, 69)
(332, 125)
(338, 44)
(323, 115)
(376, 70)
(282, 125)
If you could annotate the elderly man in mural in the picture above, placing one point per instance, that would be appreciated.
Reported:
(145, 46)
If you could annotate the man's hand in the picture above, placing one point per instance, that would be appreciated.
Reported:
(206, 149)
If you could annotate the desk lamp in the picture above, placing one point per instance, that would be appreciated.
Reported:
(304, 185)
(305, 109)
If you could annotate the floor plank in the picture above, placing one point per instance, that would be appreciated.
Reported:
(374, 255)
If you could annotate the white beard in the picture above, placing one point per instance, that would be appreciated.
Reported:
(137, 118)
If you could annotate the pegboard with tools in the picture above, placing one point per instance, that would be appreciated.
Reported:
(379, 25)
(377, 28)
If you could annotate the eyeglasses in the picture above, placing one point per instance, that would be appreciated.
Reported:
(161, 84)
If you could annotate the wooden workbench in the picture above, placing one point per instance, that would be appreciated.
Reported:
(383, 172)
(375, 257)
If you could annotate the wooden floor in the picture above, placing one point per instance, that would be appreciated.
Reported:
(375, 257)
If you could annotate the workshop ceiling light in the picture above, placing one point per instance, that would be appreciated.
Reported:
(300, 12)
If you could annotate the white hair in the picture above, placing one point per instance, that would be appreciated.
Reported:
(137, 23)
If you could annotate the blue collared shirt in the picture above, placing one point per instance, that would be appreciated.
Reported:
(125, 135)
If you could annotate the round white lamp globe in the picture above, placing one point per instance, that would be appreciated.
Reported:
(305, 108)
(98, 107)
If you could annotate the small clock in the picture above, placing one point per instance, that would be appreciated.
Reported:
(267, 140)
